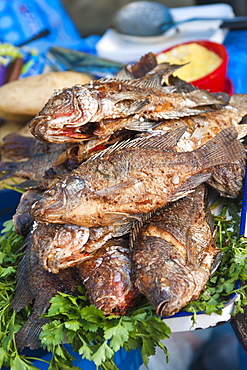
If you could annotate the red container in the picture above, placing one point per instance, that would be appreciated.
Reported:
(217, 80)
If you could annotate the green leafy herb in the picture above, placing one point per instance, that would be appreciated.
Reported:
(232, 269)
(95, 337)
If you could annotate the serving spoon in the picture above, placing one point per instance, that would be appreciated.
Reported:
(149, 18)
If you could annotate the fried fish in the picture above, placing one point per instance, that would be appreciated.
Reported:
(107, 278)
(173, 253)
(60, 246)
(132, 178)
(106, 105)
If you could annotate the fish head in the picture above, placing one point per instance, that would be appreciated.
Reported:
(167, 292)
(64, 114)
(59, 246)
(62, 197)
(161, 275)
(175, 290)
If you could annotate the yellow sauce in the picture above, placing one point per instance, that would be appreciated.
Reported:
(201, 61)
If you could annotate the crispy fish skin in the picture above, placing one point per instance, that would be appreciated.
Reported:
(204, 126)
(228, 178)
(134, 178)
(107, 278)
(104, 100)
(36, 284)
(173, 253)
(60, 246)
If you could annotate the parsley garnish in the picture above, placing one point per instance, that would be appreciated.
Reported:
(96, 337)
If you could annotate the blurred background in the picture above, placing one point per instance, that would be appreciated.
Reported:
(94, 16)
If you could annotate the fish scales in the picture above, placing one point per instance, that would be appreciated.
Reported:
(119, 185)
(228, 178)
(173, 253)
(60, 246)
(204, 126)
(107, 278)
(102, 101)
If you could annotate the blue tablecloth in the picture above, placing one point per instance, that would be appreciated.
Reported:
(236, 45)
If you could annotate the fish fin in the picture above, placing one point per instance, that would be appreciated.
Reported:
(157, 76)
(164, 69)
(203, 97)
(242, 130)
(23, 294)
(190, 247)
(113, 189)
(8, 169)
(199, 133)
(189, 185)
(124, 74)
(223, 148)
(216, 261)
(152, 80)
(239, 101)
(136, 106)
(138, 125)
(158, 139)
(122, 230)
(28, 335)
(136, 101)
(180, 112)
(138, 69)
(137, 226)
(120, 218)
(16, 146)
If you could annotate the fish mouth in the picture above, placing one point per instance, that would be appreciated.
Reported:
(161, 309)
(42, 211)
(68, 133)
(59, 259)
(71, 133)
(58, 129)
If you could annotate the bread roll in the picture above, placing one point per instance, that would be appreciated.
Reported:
(22, 99)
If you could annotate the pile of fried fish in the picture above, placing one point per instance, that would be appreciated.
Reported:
(117, 175)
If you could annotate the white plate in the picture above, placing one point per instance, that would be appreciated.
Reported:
(182, 321)
(126, 48)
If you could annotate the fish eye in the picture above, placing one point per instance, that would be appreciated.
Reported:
(58, 102)
(74, 185)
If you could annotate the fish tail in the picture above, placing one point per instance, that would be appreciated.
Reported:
(7, 169)
(16, 146)
(28, 335)
(223, 148)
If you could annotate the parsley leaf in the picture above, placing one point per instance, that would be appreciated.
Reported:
(96, 337)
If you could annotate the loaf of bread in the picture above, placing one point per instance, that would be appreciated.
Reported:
(22, 99)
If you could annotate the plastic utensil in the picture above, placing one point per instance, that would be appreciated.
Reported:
(149, 18)
(142, 18)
